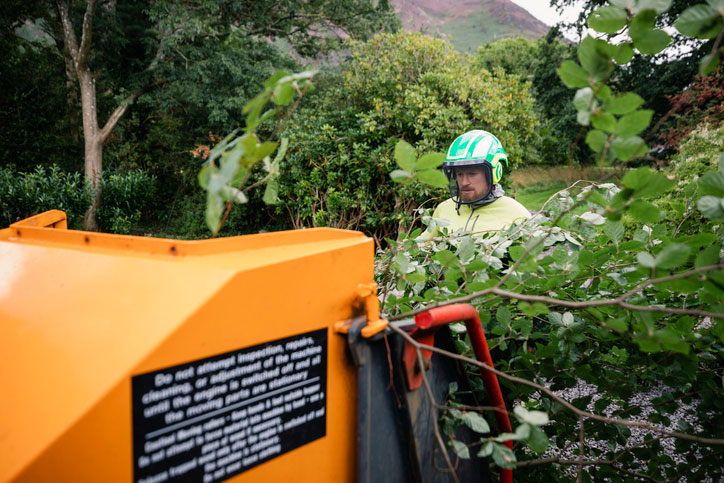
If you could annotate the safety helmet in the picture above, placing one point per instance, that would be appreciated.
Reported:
(476, 148)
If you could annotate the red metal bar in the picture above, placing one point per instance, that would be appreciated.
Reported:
(467, 313)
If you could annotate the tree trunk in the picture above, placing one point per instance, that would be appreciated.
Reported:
(94, 136)
(93, 145)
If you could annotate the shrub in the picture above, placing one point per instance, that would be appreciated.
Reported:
(404, 86)
(26, 194)
(125, 194)
(702, 102)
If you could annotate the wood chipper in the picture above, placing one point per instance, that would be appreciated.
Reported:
(253, 358)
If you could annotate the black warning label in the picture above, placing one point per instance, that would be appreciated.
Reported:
(210, 419)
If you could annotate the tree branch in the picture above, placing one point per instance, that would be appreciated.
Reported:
(131, 98)
(68, 33)
(619, 301)
(552, 395)
(86, 35)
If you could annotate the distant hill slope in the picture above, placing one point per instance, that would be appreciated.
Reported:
(469, 23)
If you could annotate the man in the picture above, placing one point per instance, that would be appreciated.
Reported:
(473, 166)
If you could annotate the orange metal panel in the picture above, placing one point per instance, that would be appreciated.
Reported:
(81, 314)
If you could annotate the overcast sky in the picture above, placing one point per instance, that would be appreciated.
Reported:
(541, 10)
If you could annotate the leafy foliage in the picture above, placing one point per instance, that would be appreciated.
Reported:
(231, 162)
(125, 196)
(702, 102)
(24, 194)
(624, 298)
(586, 298)
(404, 85)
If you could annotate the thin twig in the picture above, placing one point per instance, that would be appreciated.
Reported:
(552, 395)
(438, 436)
(619, 301)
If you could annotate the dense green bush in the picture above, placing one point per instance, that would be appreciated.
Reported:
(698, 154)
(26, 194)
(404, 86)
(125, 195)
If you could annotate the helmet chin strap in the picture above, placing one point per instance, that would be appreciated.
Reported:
(492, 195)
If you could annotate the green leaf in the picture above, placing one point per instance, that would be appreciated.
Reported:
(461, 449)
(624, 53)
(486, 450)
(432, 177)
(214, 210)
(204, 175)
(596, 140)
(645, 259)
(536, 418)
(707, 257)
(699, 240)
(633, 123)
(672, 255)
(592, 61)
(625, 103)
(718, 329)
(603, 92)
(265, 149)
(405, 156)
(402, 262)
(446, 258)
(652, 42)
(618, 325)
(271, 191)
(415, 277)
(646, 183)
(283, 94)
(711, 207)
(608, 19)
(280, 154)
(538, 441)
(699, 21)
(572, 74)
(659, 6)
(429, 161)
(626, 148)
(642, 24)
(503, 316)
(583, 118)
(583, 99)
(712, 184)
(271, 82)
(503, 456)
(709, 63)
(614, 231)
(476, 265)
(645, 212)
(466, 250)
(516, 252)
(400, 176)
(670, 340)
(475, 422)
(604, 121)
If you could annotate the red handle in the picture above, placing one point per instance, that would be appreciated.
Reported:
(468, 314)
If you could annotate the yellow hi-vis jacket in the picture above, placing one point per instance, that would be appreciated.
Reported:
(496, 216)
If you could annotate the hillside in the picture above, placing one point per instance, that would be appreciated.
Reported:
(469, 23)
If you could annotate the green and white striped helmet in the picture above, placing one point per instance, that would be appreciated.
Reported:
(477, 147)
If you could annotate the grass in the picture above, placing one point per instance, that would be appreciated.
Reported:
(534, 186)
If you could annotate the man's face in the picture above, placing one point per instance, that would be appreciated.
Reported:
(472, 182)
